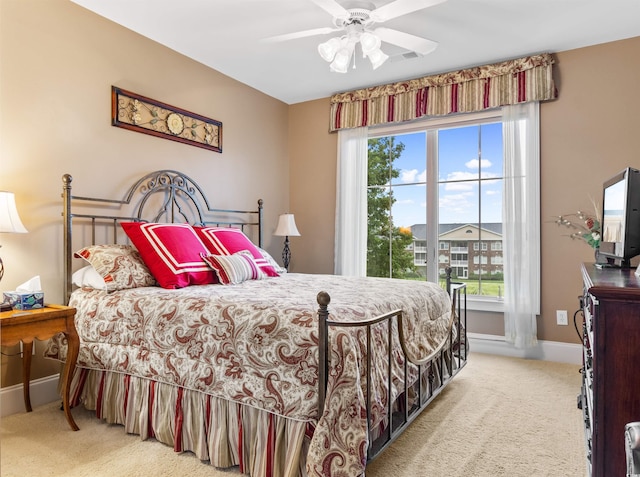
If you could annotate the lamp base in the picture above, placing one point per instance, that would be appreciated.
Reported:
(286, 253)
(5, 306)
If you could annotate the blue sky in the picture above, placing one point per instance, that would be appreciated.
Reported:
(458, 161)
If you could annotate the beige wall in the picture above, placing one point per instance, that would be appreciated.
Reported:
(587, 135)
(58, 64)
(313, 186)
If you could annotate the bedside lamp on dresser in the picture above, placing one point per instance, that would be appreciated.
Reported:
(9, 223)
(25, 325)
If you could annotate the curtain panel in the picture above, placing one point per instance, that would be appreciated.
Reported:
(521, 222)
(351, 203)
(470, 90)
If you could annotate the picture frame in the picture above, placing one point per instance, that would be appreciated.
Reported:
(138, 113)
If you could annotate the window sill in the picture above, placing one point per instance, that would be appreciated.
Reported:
(476, 303)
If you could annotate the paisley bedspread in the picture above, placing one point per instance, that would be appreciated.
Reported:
(256, 343)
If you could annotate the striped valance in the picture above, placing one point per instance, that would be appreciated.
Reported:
(474, 89)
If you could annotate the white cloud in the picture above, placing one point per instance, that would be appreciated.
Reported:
(458, 207)
(451, 186)
(413, 175)
(405, 202)
(466, 176)
(475, 164)
(462, 176)
(408, 175)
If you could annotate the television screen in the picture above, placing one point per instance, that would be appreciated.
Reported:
(620, 232)
(613, 212)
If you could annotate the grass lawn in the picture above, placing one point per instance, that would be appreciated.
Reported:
(489, 287)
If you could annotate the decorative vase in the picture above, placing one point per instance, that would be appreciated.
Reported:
(599, 258)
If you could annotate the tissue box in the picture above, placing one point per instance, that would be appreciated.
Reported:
(24, 300)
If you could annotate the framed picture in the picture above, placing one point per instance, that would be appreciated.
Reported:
(148, 116)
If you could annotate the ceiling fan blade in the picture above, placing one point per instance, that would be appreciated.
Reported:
(399, 8)
(406, 40)
(333, 8)
(300, 34)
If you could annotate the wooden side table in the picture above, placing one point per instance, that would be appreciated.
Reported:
(42, 324)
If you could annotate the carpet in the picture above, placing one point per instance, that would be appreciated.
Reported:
(499, 417)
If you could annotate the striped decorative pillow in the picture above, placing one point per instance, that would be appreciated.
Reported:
(233, 269)
(227, 241)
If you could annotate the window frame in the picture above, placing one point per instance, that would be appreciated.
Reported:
(431, 125)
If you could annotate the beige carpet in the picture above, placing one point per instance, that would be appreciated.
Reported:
(499, 417)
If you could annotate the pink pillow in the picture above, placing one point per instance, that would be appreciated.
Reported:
(227, 241)
(172, 253)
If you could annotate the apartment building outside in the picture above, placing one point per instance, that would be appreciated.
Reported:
(470, 250)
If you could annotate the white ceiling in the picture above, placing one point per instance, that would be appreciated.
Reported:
(227, 35)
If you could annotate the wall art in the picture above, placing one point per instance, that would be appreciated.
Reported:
(148, 116)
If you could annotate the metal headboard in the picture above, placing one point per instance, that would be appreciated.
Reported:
(160, 196)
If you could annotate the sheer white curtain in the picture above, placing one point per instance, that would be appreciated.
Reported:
(521, 223)
(351, 203)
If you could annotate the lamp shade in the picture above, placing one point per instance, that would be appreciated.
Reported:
(286, 226)
(9, 219)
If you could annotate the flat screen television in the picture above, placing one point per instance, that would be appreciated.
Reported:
(620, 234)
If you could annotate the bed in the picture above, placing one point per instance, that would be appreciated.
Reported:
(224, 354)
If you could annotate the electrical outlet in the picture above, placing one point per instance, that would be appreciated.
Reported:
(561, 317)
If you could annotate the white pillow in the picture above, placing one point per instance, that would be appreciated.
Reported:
(88, 277)
(267, 256)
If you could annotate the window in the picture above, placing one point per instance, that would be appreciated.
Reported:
(437, 184)
(480, 246)
(520, 228)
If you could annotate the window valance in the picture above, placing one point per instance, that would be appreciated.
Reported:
(474, 89)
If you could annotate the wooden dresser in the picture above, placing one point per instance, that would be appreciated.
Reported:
(610, 395)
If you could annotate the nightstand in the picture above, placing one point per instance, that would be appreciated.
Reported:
(42, 324)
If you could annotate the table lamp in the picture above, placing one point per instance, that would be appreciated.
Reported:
(286, 228)
(9, 223)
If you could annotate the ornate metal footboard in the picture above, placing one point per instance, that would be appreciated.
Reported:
(434, 373)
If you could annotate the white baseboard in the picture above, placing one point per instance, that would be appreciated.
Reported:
(545, 350)
(43, 391)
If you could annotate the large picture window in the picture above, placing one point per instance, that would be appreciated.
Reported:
(434, 190)
(449, 171)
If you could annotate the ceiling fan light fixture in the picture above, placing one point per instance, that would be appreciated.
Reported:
(377, 57)
(369, 43)
(342, 59)
(329, 48)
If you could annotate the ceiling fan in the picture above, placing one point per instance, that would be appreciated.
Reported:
(356, 21)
